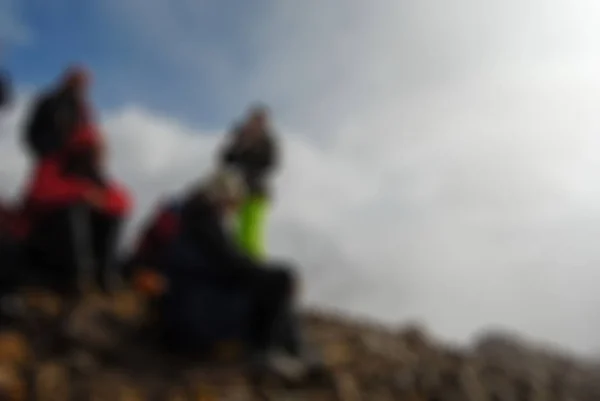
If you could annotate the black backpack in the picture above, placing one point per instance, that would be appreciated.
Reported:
(52, 121)
(40, 131)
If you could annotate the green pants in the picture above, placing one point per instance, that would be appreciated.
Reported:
(251, 226)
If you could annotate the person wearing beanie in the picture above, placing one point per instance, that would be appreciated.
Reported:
(58, 113)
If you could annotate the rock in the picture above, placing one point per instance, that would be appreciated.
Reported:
(12, 384)
(14, 349)
(46, 303)
(102, 360)
(128, 306)
(337, 354)
(347, 388)
(52, 382)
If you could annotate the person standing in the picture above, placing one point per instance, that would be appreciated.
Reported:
(253, 151)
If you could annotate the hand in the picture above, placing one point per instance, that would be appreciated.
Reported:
(96, 197)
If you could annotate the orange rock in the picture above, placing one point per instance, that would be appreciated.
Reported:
(12, 385)
(14, 348)
(149, 283)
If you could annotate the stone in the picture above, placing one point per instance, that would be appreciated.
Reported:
(364, 361)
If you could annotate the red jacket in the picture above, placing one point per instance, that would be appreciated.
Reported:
(51, 189)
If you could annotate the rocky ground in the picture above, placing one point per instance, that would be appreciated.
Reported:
(108, 355)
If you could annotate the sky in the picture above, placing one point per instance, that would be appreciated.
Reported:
(441, 158)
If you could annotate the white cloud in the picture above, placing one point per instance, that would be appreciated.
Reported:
(460, 226)
(441, 161)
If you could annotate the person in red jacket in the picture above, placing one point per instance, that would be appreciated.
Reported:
(75, 214)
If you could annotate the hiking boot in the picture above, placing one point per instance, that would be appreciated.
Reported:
(288, 367)
(291, 369)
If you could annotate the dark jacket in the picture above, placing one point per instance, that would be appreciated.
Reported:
(55, 117)
(255, 162)
(207, 277)
(224, 261)
(187, 241)
(214, 291)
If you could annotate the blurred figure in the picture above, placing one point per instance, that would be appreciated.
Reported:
(213, 290)
(75, 215)
(58, 113)
(254, 152)
(5, 89)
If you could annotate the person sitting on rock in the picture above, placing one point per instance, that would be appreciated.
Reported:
(213, 290)
(75, 214)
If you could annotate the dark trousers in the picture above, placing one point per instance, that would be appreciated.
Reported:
(271, 297)
(12, 266)
(73, 247)
(267, 294)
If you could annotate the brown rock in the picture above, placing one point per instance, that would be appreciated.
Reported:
(130, 393)
(12, 385)
(128, 306)
(365, 361)
(52, 382)
(347, 388)
(42, 301)
(14, 348)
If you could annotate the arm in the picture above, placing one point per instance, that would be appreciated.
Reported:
(205, 228)
(117, 201)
